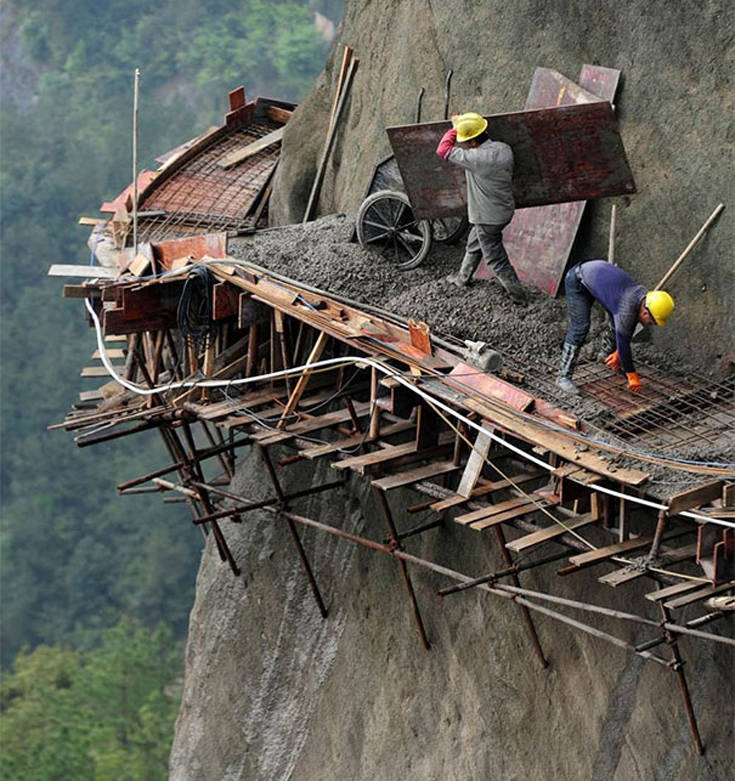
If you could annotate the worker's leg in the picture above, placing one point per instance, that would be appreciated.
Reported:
(491, 242)
(470, 261)
(579, 305)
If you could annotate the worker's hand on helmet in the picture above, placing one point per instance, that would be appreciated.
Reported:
(454, 119)
(613, 361)
(634, 382)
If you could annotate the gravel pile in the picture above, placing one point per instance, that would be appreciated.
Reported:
(322, 254)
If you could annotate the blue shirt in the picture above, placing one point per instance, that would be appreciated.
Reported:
(621, 296)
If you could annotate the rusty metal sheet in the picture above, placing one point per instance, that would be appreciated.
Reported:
(539, 239)
(196, 247)
(562, 154)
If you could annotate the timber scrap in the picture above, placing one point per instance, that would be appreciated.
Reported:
(302, 375)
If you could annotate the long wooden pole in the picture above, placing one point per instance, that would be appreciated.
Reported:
(690, 247)
(136, 89)
(316, 187)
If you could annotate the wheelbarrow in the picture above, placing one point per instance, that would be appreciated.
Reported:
(386, 224)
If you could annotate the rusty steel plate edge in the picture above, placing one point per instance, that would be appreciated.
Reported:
(569, 153)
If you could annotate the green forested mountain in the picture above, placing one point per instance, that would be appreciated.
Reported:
(75, 556)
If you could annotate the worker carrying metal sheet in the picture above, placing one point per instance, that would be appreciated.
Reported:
(489, 171)
(627, 303)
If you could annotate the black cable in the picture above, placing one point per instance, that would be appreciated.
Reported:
(194, 312)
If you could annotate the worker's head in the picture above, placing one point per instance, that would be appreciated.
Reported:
(471, 128)
(655, 308)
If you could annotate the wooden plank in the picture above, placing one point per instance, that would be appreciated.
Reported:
(426, 472)
(339, 444)
(359, 462)
(508, 515)
(233, 158)
(92, 395)
(100, 371)
(556, 443)
(608, 551)
(490, 510)
(702, 494)
(475, 462)
(487, 488)
(278, 114)
(87, 272)
(631, 572)
(115, 322)
(81, 291)
(110, 353)
(335, 418)
(539, 537)
(697, 596)
(222, 408)
(670, 591)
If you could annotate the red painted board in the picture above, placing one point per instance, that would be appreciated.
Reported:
(539, 239)
(470, 377)
(562, 154)
(144, 179)
(212, 244)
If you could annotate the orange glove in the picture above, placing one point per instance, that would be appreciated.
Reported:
(613, 361)
(634, 382)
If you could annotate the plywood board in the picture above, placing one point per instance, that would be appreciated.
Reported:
(539, 239)
(562, 154)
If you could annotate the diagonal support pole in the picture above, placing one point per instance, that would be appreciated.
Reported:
(677, 665)
(394, 543)
(530, 626)
(283, 499)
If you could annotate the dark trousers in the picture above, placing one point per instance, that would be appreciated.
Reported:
(579, 304)
(486, 241)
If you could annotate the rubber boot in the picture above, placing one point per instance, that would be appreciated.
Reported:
(463, 277)
(513, 287)
(569, 355)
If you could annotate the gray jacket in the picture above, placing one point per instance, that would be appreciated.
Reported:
(489, 173)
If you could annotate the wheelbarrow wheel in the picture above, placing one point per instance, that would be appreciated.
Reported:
(449, 230)
(386, 225)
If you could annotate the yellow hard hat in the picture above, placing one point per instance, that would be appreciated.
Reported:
(469, 126)
(660, 304)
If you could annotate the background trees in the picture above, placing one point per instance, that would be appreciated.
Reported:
(75, 556)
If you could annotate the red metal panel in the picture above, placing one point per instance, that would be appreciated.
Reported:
(561, 154)
(196, 247)
(490, 386)
(539, 239)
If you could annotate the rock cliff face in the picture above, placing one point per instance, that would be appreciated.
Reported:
(675, 106)
(273, 691)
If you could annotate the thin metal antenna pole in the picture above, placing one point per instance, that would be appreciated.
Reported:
(136, 88)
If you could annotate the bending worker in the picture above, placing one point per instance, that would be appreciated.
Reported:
(489, 171)
(627, 303)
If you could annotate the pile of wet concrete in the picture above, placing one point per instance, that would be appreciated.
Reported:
(322, 254)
